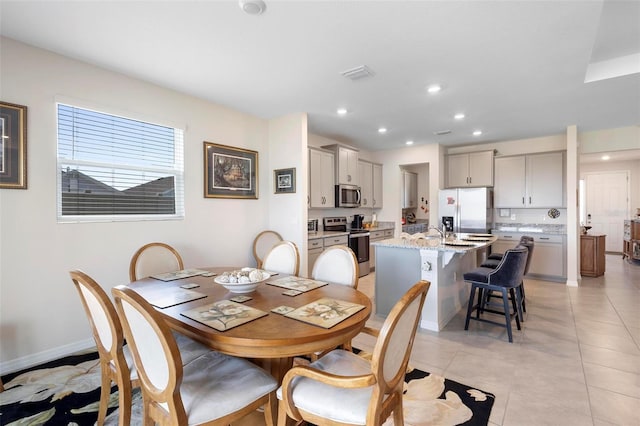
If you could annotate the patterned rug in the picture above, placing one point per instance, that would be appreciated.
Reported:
(67, 392)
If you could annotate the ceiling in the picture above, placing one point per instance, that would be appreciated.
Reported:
(515, 69)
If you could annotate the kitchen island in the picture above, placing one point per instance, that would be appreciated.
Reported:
(401, 262)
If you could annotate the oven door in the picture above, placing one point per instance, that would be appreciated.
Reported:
(359, 243)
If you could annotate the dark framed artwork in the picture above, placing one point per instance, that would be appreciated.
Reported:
(13, 146)
(230, 172)
(285, 181)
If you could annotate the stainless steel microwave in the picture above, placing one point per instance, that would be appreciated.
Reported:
(347, 196)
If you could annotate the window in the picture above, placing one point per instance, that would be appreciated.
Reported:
(116, 168)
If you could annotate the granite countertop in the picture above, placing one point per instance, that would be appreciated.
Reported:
(434, 244)
(382, 226)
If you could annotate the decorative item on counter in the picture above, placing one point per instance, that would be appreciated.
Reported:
(585, 229)
(553, 213)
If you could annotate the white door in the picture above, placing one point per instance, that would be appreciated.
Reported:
(607, 205)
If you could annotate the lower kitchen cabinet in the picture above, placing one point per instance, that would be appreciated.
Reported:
(549, 253)
(592, 258)
(317, 246)
(379, 235)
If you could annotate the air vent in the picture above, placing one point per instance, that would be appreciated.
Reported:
(442, 132)
(358, 73)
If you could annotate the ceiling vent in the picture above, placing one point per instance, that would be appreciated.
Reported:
(358, 73)
(442, 132)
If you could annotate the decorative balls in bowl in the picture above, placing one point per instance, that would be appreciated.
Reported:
(243, 280)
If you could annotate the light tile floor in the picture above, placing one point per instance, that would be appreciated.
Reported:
(575, 362)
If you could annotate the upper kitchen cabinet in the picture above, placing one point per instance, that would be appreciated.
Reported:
(409, 190)
(530, 181)
(346, 168)
(470, 169)
(321, 173)
(370, 179)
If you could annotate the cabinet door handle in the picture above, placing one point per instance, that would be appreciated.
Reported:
(529, 200)
(544, 238)
(522, 200)
(507, 236)
(348, 178)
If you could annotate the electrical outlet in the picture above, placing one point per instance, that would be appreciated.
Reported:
(513, 217)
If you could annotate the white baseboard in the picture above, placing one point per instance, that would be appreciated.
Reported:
(28, 361)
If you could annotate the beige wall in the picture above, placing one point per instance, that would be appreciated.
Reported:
(40, 313)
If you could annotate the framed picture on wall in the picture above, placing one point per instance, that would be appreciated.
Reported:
(230, 172)
(13, 146)
(285, 181)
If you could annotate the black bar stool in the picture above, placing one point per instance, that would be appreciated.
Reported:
(505, 278)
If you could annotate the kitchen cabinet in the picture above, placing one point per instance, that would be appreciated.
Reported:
(472, 169)
(379, 235)
(321, 173)
(409, 190)
(530, 181)
(370, 178)
(592, 258)
(549, 253)
(346, 164)
(317, 246)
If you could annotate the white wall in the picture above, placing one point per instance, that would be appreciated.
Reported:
(40, 313)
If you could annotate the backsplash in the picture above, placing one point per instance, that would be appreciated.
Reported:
(523, 217)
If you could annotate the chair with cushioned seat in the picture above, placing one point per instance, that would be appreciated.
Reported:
(213, 389)
(154, 258)
(505, 278)
(283, 258)
(262, 243)
(342, 388)
(492, 263)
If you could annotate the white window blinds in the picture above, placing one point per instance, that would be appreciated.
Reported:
(116, 168)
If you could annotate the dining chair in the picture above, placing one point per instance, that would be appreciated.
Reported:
(213, 389)
(284, 258)
(337, 265)
(154, 258)
(342, 388)
(116, 363)
(505, 278)
(262, 243)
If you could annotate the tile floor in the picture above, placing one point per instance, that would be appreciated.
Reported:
(575, 362)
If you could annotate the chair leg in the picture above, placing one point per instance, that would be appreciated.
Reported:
(520, 311)
(524, 307)
(516, 311)
(507, 313)
(472, 295)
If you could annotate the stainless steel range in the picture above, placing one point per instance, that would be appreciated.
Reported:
(358, 240)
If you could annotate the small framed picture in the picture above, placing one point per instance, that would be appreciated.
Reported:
(13, 146)
(285, 181)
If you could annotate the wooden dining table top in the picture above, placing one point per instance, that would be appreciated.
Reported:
(270, 337)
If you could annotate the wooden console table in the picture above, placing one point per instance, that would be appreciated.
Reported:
(592, 255)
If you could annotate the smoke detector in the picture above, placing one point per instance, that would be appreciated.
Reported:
(252, 7)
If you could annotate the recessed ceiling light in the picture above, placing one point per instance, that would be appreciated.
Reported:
(477, 132)
(459, 116)
(382, 130)
(342, 111)
(434, 88)
(252, 7)
(605, 157)
(409, 142)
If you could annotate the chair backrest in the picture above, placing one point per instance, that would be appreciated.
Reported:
(529, 245)
(393, 348)
(262, 243)
(155, 353)
(337, 265)
(105, 324)
(510, 270)
(154, 258)
(284, 258)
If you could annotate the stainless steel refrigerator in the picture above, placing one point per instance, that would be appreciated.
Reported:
(466, 209)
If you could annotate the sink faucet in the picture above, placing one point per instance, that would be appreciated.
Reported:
(442, 232)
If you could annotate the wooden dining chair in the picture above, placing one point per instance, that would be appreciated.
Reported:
(214, 389)
(262, 243)
(284, 258)
(116, 362)
(154, 258)
(342, 388)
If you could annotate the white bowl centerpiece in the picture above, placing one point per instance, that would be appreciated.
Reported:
(243, 280)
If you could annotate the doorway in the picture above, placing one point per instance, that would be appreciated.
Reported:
(607, 205)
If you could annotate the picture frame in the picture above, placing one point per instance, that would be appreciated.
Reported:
(230, 172)
(284, 181)
(13, 146)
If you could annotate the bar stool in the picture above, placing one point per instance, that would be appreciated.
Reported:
(493, 263)
(505, 278)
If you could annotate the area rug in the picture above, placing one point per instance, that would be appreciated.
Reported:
(67, 392)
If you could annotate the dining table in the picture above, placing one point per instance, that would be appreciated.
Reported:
(272, 340)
